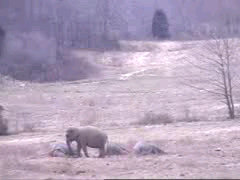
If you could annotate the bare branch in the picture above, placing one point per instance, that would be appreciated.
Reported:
(204, 89)
(216, 59)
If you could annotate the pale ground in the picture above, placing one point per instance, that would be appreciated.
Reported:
(150, 78)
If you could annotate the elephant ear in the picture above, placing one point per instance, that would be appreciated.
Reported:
(78, 137)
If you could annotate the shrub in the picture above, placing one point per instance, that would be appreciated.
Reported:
(32, 57)
(151, 118)
(72, 68)
(28, 127)
(189, 119)
(3, 128)
(3, 124)
(27, 55)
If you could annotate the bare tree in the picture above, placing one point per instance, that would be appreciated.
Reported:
(216, 60)
(103, 12)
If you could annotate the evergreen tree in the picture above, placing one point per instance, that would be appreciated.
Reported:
(160, 26)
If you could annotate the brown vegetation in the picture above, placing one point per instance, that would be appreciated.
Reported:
(151, 118)
(32, 57)
(3, 123)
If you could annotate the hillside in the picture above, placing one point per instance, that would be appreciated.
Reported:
(142, 77)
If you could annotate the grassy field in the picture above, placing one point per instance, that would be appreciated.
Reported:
(142, 77)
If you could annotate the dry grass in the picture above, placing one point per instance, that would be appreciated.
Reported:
(115, 102)
(151, 118)
(189, 119)
(190, 154)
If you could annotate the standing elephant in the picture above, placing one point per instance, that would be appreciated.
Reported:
(87, 136)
